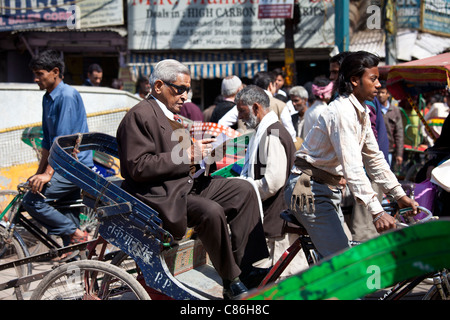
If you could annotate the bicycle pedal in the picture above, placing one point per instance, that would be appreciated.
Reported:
(67, 258)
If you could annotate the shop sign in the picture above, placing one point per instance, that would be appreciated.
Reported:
(276, 9)
(427, 15)
(32, 14)
(223, 24)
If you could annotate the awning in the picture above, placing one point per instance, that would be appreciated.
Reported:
(419, 76)
(416, 77)
(202, 65)
(411, 44)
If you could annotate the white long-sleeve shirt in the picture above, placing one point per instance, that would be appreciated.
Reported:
(342, 143)
(310, 117)
(231, 117)
(272, 151)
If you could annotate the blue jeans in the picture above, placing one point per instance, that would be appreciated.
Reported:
(58, 223)
(325, 225)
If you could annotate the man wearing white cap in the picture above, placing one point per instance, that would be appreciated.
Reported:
(231, 85)
(266, 81)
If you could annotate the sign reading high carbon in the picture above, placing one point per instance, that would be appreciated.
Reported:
(223, 24)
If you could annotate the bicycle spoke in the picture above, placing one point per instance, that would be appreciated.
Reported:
(89, 280)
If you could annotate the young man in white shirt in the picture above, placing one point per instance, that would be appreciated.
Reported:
(342, 149)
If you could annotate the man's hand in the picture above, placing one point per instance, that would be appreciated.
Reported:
(342, 182)
(38, 181)
(383, 222)
(406, 202)
(201, 149)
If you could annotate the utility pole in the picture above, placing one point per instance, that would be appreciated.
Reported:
(390, 29)
(289, 45)
(342, 25)
(289, 53)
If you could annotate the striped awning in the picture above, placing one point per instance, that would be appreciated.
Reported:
(419, 76)
(202, 65)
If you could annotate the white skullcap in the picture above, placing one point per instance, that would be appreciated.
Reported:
(230, 85)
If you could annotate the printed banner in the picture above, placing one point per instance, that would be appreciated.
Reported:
(427, 15)
(225, 24)
(32, 14)
(408, 14)
(436, 16)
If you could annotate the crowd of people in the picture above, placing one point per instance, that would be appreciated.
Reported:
(314, 148)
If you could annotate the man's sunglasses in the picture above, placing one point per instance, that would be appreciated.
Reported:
(179, 89)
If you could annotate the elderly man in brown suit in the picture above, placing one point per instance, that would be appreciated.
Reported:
(158, 162)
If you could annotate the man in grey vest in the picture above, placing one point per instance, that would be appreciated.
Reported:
(269, 158)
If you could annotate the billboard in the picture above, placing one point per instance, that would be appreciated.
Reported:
(408, 14)
(427, 15)
(32, 14)
(436, 16)
(223, 24)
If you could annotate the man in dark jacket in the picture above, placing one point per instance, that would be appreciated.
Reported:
(159, 163)
(394, 126)
(230, 87)
(94, 76)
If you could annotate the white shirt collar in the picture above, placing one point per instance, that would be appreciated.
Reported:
(384, 109)
(268, 93)
(357, 104)
(167, 112)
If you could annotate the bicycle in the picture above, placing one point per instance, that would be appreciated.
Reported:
(440, 289)
(136, 229)
(19, 232)
(399, 257)
(89, 280)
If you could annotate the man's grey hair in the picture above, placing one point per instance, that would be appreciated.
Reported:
(168, 70)
(299, 91)
(253, 94)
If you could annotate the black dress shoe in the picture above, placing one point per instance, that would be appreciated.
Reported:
(254, 277)
(235, 289)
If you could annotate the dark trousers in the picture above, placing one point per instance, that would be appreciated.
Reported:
(212, 205)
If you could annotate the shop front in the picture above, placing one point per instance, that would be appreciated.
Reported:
(216, 39)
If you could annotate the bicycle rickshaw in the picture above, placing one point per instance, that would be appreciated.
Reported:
(15, 251)
(409, 80)
(24, 241)
(136, 229)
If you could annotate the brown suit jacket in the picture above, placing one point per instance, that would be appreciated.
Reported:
(150, 164)
(277, 105)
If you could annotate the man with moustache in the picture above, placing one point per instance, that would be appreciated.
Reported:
(268, 161)
(159, 163)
